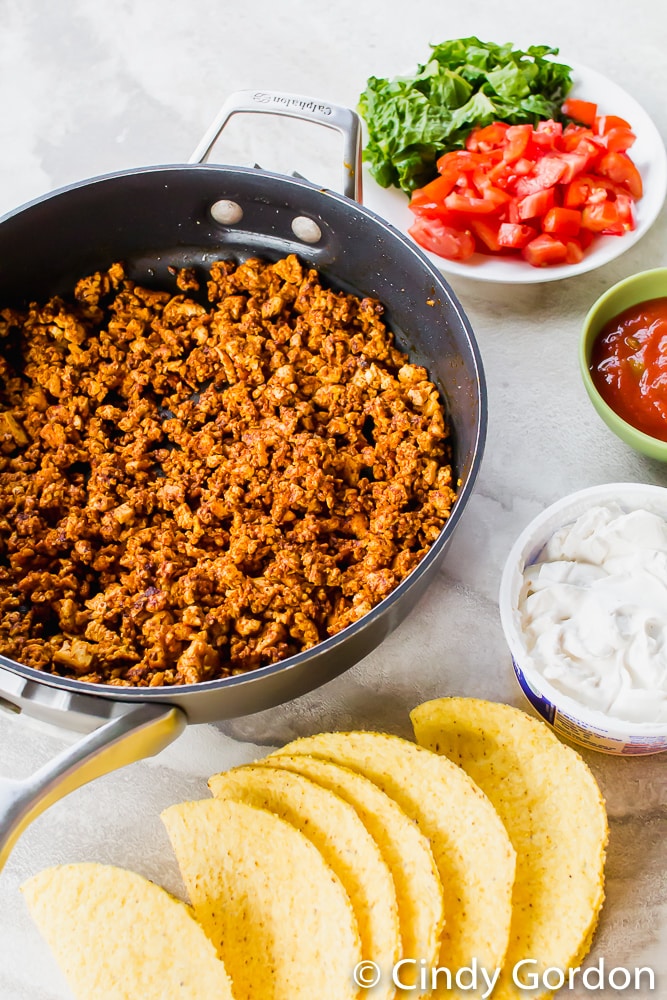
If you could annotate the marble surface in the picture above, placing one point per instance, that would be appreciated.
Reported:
(87, 88)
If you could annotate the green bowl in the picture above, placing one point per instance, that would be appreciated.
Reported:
(629, 292)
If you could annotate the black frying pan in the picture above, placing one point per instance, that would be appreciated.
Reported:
(189, 215)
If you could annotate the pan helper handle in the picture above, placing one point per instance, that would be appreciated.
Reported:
(141, 731)
(272, 102)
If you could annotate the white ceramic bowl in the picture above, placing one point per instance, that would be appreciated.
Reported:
(573, 721)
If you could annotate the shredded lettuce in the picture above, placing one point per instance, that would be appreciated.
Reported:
(465, 84)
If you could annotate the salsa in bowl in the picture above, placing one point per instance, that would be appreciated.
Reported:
(623, 360)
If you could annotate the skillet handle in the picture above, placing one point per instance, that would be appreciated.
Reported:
(271, 102)
(140, 732)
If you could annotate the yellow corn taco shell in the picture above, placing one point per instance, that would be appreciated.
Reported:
(274, 910)
(472, 851)
(405, 849)
(554, 814)
(117, 936)
(335, 829)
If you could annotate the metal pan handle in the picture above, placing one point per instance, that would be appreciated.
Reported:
(138, 731)
(272, 102)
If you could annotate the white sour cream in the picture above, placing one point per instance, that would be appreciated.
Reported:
(593, 610)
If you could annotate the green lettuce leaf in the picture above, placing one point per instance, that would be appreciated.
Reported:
(465, 84)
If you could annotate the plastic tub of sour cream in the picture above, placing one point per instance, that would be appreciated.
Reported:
(583, 604)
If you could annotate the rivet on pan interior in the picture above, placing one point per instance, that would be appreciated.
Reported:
(227, 213)
(306, 230)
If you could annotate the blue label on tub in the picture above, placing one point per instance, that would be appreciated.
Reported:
(540, 704)
(586, 735)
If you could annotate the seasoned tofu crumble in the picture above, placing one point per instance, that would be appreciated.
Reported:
(198, 482)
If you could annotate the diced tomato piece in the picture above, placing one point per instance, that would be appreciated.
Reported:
(620, 169)
(550, 127)
(600, 218)
(572, 136)
(503, 174)
(435, 190)
(470, 205)
(482, 180)
(486, 138)
(458, 161)
(443, 240)
(436, 210)
(486, 230)
(562, 221)
(485, 186)
(590, 189)
(574, 252)
(585, 238)
(536, 205)
(523, 166)
(514, 235)
(427, 209)
(619, 139)
(604, 123)
(626, 212)
(577, 192)
(517, 138)
(546, 135)
(591, 146)
(582, 111)
(511, 213)
(543, 250)
(548, 171)
(574, 163)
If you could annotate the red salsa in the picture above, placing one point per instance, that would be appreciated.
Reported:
(629, 366)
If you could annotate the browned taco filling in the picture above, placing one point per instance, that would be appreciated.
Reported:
(198, 482)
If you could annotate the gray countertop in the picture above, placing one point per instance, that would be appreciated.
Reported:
(88, 88)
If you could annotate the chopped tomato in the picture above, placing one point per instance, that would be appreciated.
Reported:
(600, 218)
(514, 235)
(547, 171)
(433, 191)
(590, 189)
(576, 193)
(585, 238)
(462, 160)
(572, 136)
(574, 163)
(543, 192)
(484, 139)
(522, 166)
(517, 138)
(604, 123)
(582, 111)
(574, 252)
(486, 231)
(536, 205)
(625, 208)
(546, 135)
(469, 204)
(562, 221)
(436, 210)
(543, 250)
(443, 240)
(619, 139)
(620, 169)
